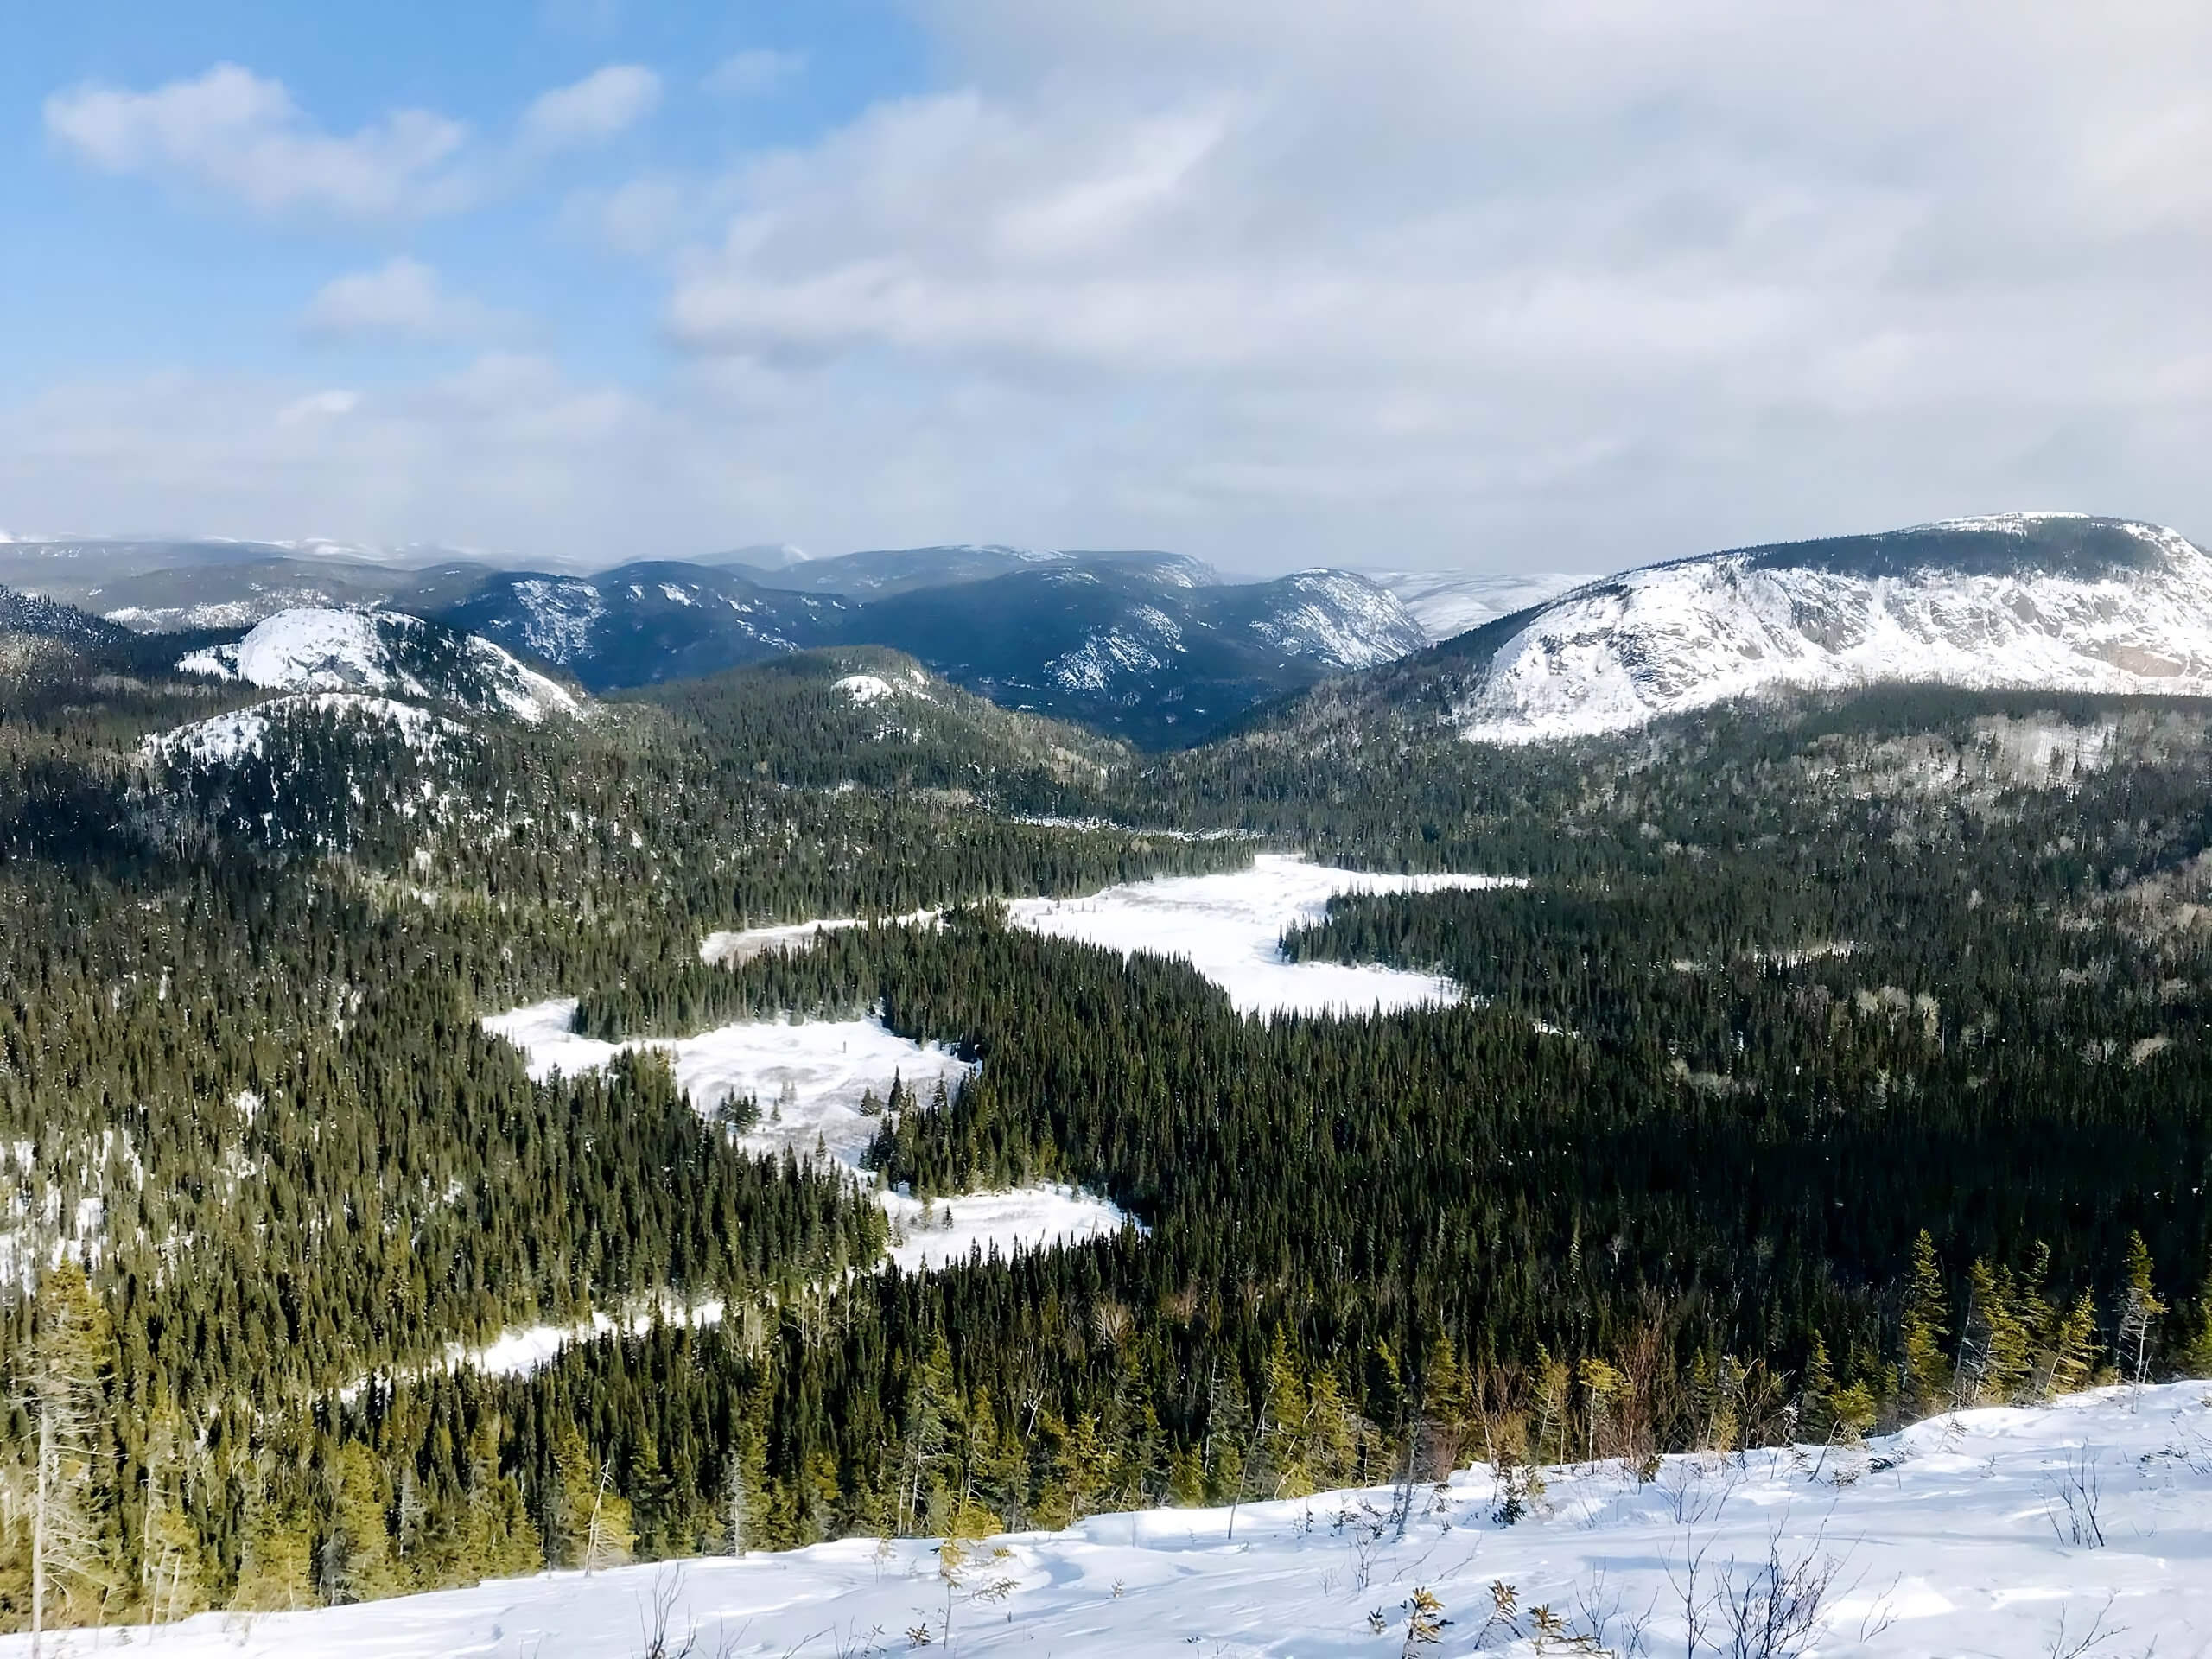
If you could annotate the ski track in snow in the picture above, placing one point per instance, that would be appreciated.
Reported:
(1229, 926)
(1950, 1551)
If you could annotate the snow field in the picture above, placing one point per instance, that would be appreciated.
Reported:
(1951, 1539)
(809, 1075)
(1229, 927)
(743, 944)
(809, 1078)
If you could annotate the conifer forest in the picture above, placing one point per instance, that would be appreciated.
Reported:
(1835, 1060)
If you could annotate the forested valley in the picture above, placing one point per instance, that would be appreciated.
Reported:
(1841, 1062)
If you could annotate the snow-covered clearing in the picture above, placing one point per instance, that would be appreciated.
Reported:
(810, 1078)
(931, 1235)
(809, 1075)
(1951, 1539)
(1229, 926)
(742, 944)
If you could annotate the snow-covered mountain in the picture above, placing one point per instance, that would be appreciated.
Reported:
(384, 653)
(2077, 1528)
(1147, 657)
(48, 619)
(2043, 601)
(1449, 602)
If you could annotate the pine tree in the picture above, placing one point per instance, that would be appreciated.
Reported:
(61, 1382)
(1928, 1377)
(174, 1569)
(2140, 1309)
(356, 1560)
(277, 1549)
(1816, 1416)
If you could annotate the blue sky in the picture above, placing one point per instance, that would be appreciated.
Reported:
(1517, 286)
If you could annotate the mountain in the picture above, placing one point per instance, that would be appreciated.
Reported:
(386, 654)
(1449, 602)
(37, 616)
(239, 592)
(646, 623)
(2046, 602)
(758, 556)
(1118, 651)
(885, 572)
(1143, 645)
(86, 569)
(868, 717)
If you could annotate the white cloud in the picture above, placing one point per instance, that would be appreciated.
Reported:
(603, 104)
(236, 133)
(400, 297)
(1588, 283)
(755, 72)
(1520, 284)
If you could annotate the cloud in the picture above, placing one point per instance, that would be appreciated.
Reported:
(402, 297)
(1591, 282)
(235, 133)
(755, 72)
(1536, 285)
(603, 104)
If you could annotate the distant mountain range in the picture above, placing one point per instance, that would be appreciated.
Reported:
(1144, 645)
(1149, 646)
(1156, 648)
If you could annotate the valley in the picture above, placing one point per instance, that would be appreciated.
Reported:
(462, 1121)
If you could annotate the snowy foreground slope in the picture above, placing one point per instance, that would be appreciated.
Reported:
(1951, 1539)
(2041, 602)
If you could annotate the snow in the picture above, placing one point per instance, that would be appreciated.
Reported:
(1945, 1539)
(1342, 620)
(1449, 602)
(742, 944)
(808, 1077)
(1673, 638)
(865, 688)
(1229, 926)
(326, 650)
(558, 616)
(826, 1065)
(931, 1234)
(225, 737)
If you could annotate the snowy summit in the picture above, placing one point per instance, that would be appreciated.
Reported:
(2041, 601)
(386, 654)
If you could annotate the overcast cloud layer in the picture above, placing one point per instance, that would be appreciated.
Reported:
(1573, 284)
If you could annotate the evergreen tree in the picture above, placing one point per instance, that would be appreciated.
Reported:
(61, 1382)
(1927, 1376)
(2140, 1309)
(355, 1562)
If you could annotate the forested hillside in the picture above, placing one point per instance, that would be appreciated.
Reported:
(1841, 1061)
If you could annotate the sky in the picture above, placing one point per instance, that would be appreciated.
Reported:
(1516, 285)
